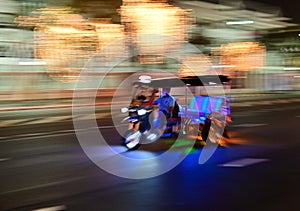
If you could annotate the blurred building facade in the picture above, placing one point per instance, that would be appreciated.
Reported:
(250, 42)
(248, 23)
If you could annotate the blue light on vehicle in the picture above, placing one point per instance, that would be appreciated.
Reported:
(202, 118)
(205, 104)
(166, 135)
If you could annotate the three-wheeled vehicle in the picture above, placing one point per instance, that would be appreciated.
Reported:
(202, 109)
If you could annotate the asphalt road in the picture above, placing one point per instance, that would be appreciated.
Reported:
(44, 166)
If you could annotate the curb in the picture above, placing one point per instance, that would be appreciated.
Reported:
(50, 107)
(235, 99)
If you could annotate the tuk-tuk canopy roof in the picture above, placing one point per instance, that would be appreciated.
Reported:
(203, 80)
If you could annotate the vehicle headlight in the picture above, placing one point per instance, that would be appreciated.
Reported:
(142, 112)
(124, 110)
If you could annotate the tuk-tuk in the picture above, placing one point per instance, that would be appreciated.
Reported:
(200, 100)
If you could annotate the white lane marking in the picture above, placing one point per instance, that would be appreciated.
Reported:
(39, 120)
(84, 117)
(11, 122)
(102, 115)
(31, 121)
(50, 119)
(5, 139)
(109, 126)
(249, 125)
(88, 117)
(244, 162)
(22, 135)
(4, 159)
(55, 208)
(31, 138)
(58, 183)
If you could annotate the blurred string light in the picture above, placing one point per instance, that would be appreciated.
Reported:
(239, 22)
(197, 65)
(32, 63)
(162, 26)
(242, 56)
(108, 33)
(65, 40)
(291, 68)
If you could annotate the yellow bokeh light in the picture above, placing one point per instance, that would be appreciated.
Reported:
(242, 56)
(66, 40)
(158, 26)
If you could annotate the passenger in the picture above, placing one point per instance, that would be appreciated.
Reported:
(167, 104)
